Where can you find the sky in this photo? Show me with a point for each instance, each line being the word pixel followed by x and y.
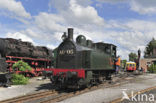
pixel 129 24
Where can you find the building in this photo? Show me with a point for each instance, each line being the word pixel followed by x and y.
pixel 146 62
pixel 149 55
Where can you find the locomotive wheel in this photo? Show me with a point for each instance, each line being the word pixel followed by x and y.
pixel 88 85
pixel 61 87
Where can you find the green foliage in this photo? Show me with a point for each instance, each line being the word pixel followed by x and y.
pixel 123 63
pixel 152 68
pixel 132 56
pixel 18 79
pixel 22 66
pixel 149 48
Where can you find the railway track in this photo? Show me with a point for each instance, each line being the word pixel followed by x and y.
pixel 30 97
pixel 105 85
pixel 52 96
pixel 68 95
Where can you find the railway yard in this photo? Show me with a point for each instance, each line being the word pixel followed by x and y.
pixel 77 51
pixel 41 91
pixel 80 71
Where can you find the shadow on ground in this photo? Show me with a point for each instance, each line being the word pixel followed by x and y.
pixel 46 86
pixel 49 86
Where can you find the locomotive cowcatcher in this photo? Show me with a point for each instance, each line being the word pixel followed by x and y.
pixel 81 63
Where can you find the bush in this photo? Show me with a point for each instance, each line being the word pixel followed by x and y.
pixel 152 68
pixel 18 79
pixel 22 66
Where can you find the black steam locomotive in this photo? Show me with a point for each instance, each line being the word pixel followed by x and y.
pixel 82 63
pixel 13 50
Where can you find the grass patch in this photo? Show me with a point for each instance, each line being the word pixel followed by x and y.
pixel 18 79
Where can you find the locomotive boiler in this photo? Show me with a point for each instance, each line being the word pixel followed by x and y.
pixel 82 63
pixel 14 47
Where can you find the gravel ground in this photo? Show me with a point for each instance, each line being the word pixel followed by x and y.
pixel 106 95
pixel 34 85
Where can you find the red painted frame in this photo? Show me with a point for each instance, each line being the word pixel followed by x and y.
pixel 80 72
pixel 36 71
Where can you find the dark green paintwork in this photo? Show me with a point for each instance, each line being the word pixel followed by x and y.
pixel 97 60
pixel 54 56
pixel 100 60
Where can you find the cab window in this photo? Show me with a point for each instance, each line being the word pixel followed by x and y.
pixel 130 65
pixel 127 65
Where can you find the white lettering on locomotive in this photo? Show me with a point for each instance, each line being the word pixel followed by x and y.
pixel 71 51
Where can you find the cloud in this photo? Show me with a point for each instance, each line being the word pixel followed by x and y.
pixel 87 15
pixel 51 26
pixel 47 28
pixel 139 6
pixel 77 12
pixel 15 8
pixel 129 35
pixel 143 6
pixel 51 46
pixel 31 33
pixel 49 22
pixel 135 34
pixel 141 25
pixel 112 1
pixel 123 53
pixel 18 35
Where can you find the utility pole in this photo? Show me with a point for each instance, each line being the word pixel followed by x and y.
pixel 139 55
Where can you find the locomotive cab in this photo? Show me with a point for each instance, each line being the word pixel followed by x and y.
pixel 109 49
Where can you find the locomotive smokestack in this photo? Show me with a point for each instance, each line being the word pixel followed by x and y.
pixel 70 33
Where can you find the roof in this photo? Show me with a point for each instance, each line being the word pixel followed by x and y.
pixel 130 62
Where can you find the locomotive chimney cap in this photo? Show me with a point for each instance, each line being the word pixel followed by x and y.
pixel 70 33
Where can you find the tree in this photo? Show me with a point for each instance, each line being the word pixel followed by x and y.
pixel 149 48
pixel 22 66
pixel 123 62
pixel 18 79
pixel 152 68
pixel 132 56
